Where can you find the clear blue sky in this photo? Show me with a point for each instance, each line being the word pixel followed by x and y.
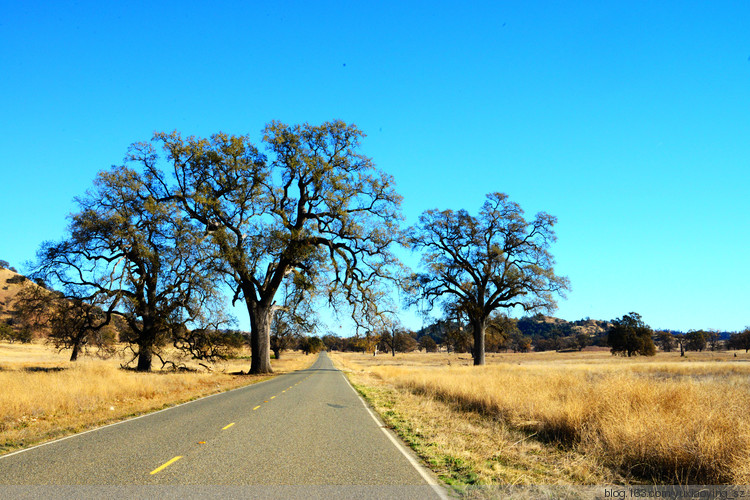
pixel 629 121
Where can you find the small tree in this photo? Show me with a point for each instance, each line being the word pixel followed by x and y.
pixel 428 344
pixel 333 342
pixel 713 337
pixel 629 336
pixel 311 345
pixel 582 341
pixel 67 322
pixel 496 260
pixel 10 334
pixel 740 340
pixel 666 341
pixel 395 337
pixel 406 341
pixel 696 340
pixel 681 340
pixel 541 344
pixel 518 342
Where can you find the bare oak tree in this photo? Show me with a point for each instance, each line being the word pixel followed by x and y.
pixel 127 253
pixel 496 260
pixel 67 322
pixel 312 205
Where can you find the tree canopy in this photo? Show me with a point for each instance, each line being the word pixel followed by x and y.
pixel 126 253
pixel 69 322
pixel 294 319
pixel 496 260
pixel 629 336
pixel 310 205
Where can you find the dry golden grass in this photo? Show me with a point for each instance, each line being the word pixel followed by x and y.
pixel 661 420
pixel 45 396
pixel 466 448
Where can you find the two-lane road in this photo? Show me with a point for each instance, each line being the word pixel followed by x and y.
pixel 301 435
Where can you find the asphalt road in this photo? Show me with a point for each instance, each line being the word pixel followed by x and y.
pixel 301 435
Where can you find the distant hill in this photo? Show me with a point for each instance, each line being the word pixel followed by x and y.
pixel 545 332
pixel 10 284
pixel 545 327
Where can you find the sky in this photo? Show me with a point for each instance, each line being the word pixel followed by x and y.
pixel 628 121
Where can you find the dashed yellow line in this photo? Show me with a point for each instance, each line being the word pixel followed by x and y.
pixel 162 467
pixel 170 462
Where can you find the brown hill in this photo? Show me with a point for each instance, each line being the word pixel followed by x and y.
pixel 591 327
pixel 10 284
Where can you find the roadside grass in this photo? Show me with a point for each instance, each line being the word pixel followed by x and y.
pixel 44 396
pixel 465 449
pixel 567 418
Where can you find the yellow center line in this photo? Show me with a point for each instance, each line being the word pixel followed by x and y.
pixel 227 426
pixel 161 468
pixel 273 397
pixel 256 407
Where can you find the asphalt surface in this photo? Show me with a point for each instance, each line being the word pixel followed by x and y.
pixel 305 434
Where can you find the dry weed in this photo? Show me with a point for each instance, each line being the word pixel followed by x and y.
pixel 659 420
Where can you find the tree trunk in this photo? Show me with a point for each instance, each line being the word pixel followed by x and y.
pixel 144 357
pixel 146 341
pixel 77 342
pixel 478 326
pixel 276 353
pixel 260 338
pixel 74 354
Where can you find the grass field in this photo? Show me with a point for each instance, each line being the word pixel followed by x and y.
pixel 573 418
pixel 44 396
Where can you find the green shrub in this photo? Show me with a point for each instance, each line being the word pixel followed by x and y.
pixel 10 334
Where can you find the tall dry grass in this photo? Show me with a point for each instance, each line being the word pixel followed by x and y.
pixel 44 396
pixel 662 422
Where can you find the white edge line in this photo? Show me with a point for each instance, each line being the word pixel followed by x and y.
pixel 401 447
pixel 24 450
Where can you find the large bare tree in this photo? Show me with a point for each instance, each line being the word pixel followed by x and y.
pixel 126 253
pixel 311 204
pixel 479 264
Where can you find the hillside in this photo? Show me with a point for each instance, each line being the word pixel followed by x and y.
pixel 541 326
pixel 10 284
pixel 544 333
